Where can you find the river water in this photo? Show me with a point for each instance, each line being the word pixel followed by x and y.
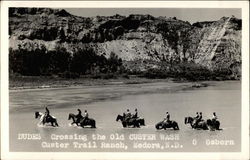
pixel 105 102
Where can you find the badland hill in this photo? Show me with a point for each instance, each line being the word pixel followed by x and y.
pixel 134 44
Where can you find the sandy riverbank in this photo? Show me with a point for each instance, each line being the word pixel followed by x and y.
pixel 19 83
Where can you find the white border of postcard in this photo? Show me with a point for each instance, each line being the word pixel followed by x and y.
pixel 244 154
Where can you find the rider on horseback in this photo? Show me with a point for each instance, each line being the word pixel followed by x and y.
pixel 127 115
pixel 86 116
pixel 167 119
pixel 214 118
pixel 136 114
pixel 46 115
pixel 198 118
pixel 79 116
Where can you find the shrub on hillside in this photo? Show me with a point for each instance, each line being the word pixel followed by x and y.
pixel 29 62
pixel 62 63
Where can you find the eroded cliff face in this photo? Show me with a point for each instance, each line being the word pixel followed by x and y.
pixel 215 45
pixel 220 45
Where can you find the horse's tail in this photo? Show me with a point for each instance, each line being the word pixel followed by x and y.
pixel 93 124
pixel 142 122
pixel 176 126
pixel 56 123
pixel 218 125
pixel 185 120
pixel 36 114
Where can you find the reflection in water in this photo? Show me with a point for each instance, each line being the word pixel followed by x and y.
pixel 222 98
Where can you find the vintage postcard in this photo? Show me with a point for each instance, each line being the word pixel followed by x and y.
pixel 124 80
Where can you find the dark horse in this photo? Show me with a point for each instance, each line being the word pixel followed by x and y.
pixel 135 122
pixel 50 119
pixel 81 121
pixel 164 125
pixel 205 125
pixel 200 125
pixel 213 124
pixel 75 119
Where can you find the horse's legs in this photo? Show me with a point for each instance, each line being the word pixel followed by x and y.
pixel 43 121
pixel 93 125
pixel 217 125
pixel 164 126
pixel 176 127
pixel 205 127
pixel 52 123
pixel 56 123
pixel 137 125
pixel 142 122
pixel 124 124
pixel 74 121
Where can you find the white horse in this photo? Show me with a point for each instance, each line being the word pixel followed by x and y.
pixel 49 119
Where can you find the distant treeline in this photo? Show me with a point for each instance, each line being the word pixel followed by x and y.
pixel 40 62
pixel 60 62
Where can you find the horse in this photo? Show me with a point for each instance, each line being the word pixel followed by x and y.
pixel 141 121
pixel 213 124
pixel 135 122
pixel 200 125
pixel 164 125
pixel 49 119
pixel 74 118
pixel 87 122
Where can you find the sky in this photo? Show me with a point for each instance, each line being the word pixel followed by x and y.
pixel 191 15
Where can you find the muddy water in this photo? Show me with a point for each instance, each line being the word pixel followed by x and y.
pixel 104 103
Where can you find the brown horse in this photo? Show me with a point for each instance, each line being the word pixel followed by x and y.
pixel 81 121
pixel 200 125
pixel 50 119
pixel 135 122
pixel 164 125
pixel 213 124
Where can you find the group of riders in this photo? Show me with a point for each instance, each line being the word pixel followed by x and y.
pixel 79 116
pixel 128 116
pixel 198 118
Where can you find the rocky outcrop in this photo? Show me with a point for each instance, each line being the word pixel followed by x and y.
pixel 215 45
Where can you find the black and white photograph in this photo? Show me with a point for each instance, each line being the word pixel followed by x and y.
pixel 123 80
